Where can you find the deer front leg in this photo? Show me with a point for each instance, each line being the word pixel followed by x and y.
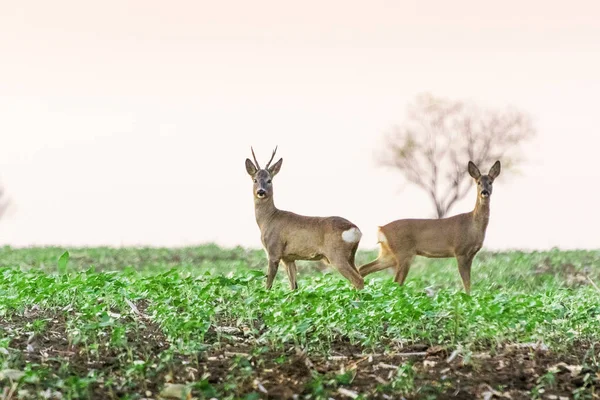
pixel 291 270
pixel 273 266
pixel 464 268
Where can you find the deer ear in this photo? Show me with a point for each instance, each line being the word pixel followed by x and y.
pixel 473 170
pixel 250 167
pixel 274 169
pixel 495 170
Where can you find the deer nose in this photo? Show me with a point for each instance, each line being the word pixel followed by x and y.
pixel 261 192
pixel 485 193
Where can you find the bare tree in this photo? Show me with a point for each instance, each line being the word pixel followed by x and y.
pixel 432 148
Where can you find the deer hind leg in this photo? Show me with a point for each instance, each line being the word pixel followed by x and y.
pixel 464 268
pixel 290 267
pixel 348 271
pixel 377 265
pixel 386 259
pixel 352 257
pixel 402 267
pixel 341 255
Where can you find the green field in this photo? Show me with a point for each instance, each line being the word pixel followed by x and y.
pixel 198 323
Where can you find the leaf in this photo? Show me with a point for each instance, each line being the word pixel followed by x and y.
pixel 176 391
pixel 575 370
pixel 62 262
pixel 348 393
pixel 12 374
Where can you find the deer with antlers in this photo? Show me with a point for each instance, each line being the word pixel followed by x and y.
pixel 289 237
pixel 460 236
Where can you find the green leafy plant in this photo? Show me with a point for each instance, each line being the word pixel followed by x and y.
pixel 201 317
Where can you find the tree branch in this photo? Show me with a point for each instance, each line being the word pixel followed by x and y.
pixel 440 136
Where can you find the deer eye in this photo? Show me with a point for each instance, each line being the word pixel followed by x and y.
pixel 269 181
pixel 255 181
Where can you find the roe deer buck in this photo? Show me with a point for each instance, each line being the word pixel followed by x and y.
pixel 460 236
pixel 289 237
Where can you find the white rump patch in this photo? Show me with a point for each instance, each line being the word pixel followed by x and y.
pixel 352 235
pixel 381 237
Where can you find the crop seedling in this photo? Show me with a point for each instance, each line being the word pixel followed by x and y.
pixel 201 317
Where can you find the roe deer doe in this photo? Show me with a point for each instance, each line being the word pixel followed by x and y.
pixel 460 236
pixel 289 237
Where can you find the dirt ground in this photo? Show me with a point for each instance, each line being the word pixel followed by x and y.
pixel 235 366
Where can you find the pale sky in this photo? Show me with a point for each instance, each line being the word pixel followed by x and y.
pixel 128 122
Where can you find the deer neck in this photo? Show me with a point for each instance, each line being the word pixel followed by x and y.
pixel 481 213
pixel 264 210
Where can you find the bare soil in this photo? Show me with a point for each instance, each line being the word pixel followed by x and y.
pixel 237 365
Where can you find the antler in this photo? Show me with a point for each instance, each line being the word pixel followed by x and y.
pixel 254 156
pixel 272 156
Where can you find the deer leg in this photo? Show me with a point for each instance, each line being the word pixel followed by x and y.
pixel 376 265
pixel 464 267
pixel 349 272
pixel 290 268
pixel 402 268
pixel 273 266
pixel 351 259
pixel 386 259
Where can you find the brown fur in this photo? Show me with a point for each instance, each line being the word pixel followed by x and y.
pixel 460 236
pixel 289 237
